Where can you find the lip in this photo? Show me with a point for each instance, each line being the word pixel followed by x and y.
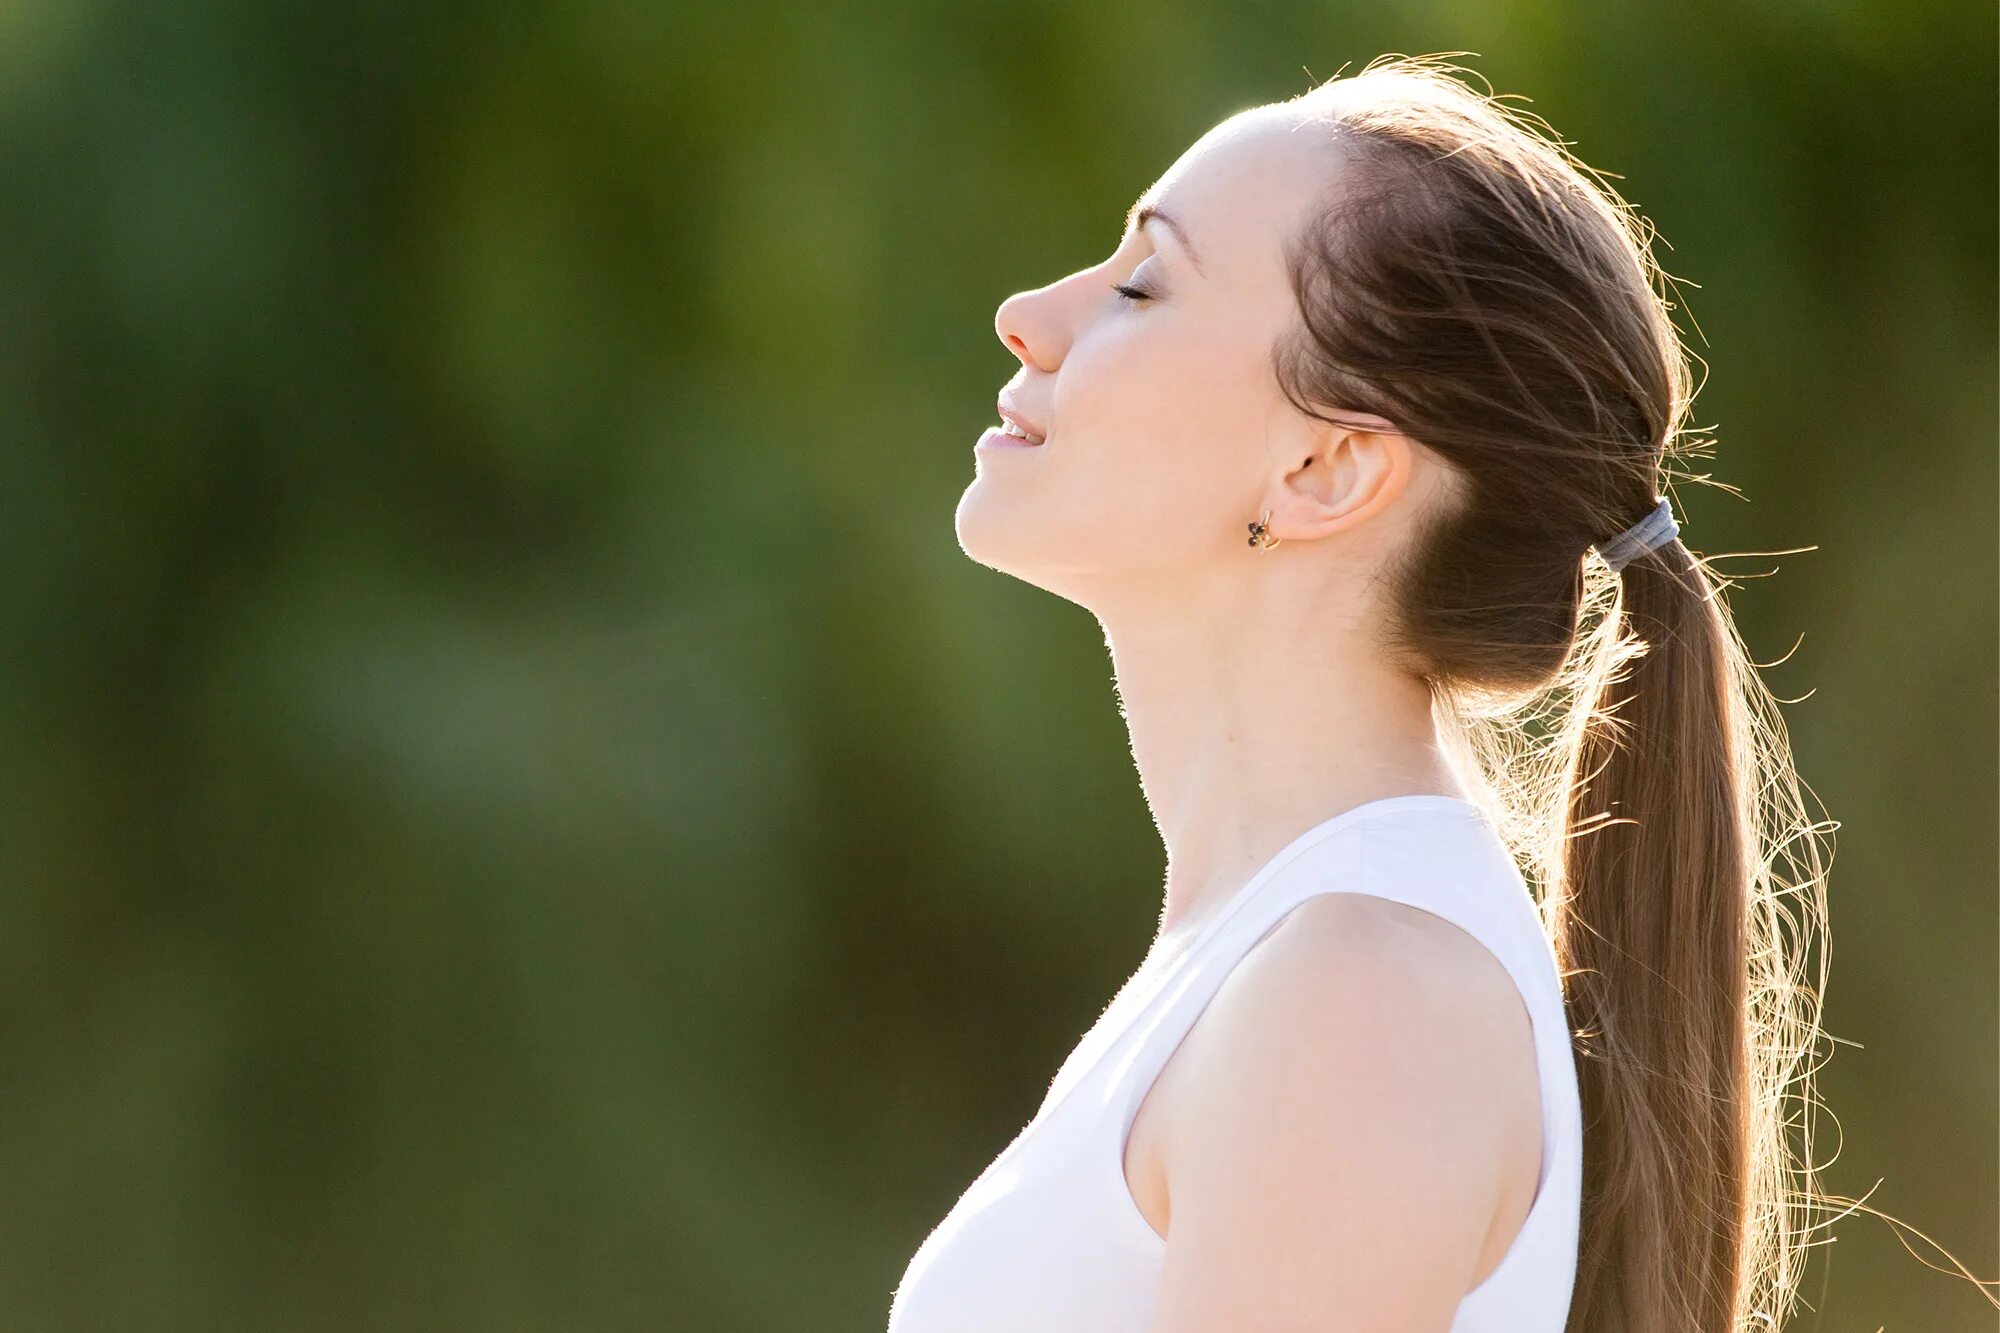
pixel 995 438
pixel 1009 412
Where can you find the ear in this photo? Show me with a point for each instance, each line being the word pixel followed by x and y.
pixel 1335 475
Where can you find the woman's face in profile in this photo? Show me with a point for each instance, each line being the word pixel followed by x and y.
pixel 1163 420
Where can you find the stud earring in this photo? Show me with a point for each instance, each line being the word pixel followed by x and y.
pixel 1260 532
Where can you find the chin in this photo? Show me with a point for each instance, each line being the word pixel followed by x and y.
pixel 991 530
pixel 995 530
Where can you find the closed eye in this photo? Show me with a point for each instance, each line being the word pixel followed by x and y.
pixel 1131 293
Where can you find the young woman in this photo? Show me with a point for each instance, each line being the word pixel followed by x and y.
pixel 1367 1079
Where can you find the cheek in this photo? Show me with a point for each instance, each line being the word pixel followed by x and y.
pixel 1160 427
pixel 1148 388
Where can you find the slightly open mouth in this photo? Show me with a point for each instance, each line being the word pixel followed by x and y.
pixel 1013 431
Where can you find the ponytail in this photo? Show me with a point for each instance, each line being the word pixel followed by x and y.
pixel 1680 965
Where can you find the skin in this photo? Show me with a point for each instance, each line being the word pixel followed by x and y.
pixel 1349 1136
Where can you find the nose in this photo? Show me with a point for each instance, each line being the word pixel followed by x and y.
pixel 1027 324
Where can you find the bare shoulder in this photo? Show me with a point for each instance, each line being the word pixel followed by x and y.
pixel 1371 972
pixel 1346 976
pixel 1352 1115
pixel 1332 936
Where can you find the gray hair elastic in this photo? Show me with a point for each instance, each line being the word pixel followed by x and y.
pixel 1650 533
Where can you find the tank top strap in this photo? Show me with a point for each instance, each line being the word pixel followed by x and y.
pixel 1442 857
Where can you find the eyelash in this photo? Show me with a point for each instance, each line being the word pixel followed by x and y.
pixel 1131 293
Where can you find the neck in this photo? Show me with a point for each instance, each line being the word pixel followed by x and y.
pixel 1250 727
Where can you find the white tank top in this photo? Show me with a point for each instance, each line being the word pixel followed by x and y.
pixel 1049 1239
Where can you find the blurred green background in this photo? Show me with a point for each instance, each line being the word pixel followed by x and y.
pixel 518 813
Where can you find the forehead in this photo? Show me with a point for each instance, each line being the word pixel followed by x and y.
pixel 1242 185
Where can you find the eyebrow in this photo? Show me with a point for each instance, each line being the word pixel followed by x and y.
pixel 1142 213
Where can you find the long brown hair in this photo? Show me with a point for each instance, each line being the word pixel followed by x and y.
pixel 1472 281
